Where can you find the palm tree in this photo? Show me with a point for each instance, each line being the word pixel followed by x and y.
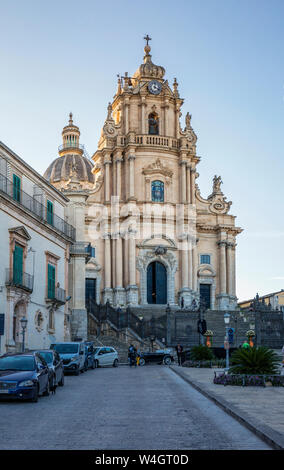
pixel 259 360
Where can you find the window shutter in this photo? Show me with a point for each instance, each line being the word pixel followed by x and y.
pixel 49 212
pixel 51 282
pixel 18 265
pixel 16 188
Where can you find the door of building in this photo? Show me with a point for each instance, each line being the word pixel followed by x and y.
pixel 90 291
pixel 156 283
pixel 205 294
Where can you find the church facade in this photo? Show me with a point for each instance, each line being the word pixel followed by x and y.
pixel 145 235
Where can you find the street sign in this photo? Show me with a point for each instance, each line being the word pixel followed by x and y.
pixel 2 323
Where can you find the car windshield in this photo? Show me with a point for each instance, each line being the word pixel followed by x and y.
pixel 46 355
pixel 66 348
pixel 96 350
pixel 17 363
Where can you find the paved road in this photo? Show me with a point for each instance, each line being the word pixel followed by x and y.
pixel 122 408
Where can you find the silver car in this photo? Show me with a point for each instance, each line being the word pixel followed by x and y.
pixel 105 356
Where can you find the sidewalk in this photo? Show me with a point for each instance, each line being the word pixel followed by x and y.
pixel 261 409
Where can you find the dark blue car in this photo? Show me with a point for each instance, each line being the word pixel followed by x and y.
pixel 23 376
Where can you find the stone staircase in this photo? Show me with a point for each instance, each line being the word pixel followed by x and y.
pixel 120 346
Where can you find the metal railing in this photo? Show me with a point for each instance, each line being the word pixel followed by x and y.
pixel 59 295
pixel 71 145
pixel 35 207
pixel 19 279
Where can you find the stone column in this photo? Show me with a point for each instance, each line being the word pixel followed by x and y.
pixel 107 292
pixel 107 163
pixel 132 289
pixel 185 292
pixel 166 107
pixel 183 181
pixel 119 297
pixel 126 115
pixel 188 183
pixel 192 185
pixel 118 175
pixel 131 159
pixel 231 289
pixel 143 119
pixel 223 297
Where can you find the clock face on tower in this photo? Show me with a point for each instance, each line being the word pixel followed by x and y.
pixel 155 87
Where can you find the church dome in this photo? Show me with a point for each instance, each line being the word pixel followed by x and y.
pixel 71 170
pixel 62 169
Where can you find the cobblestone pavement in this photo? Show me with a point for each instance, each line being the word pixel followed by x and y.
pixel 123 408
pixel 261 406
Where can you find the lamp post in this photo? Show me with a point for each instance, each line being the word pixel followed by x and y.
pixel 152 339
pixel 226 342
pixel 23 322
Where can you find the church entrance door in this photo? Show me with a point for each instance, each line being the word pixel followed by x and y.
pixel 156 283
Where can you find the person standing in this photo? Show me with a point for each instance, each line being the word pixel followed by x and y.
pixel 245 345
pixel 132 355
pixel 179 350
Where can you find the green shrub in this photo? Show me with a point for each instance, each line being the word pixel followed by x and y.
pixel 201 353
pixel 259 360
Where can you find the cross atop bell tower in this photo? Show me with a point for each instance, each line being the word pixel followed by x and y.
pixel 147 39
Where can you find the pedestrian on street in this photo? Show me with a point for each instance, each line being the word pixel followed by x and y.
pixel 245 345
pixel 182 302
pixel 132 355
pixel 138 355
pixel 179 350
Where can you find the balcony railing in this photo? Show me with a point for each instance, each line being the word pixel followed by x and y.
pixel 70 145
pixel 35 207
pixel 156 141
pixel 58 295
pixel 19 279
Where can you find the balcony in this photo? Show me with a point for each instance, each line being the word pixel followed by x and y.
pixel 70 146
pixel 156 141
pixel 19 280
pixel 57 296
pixel 35 207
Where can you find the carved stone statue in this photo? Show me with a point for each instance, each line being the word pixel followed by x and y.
pixel 217 181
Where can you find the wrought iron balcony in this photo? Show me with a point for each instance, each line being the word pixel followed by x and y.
pixel 58 295
pixel 70 145
pixel 19 279
pixel 35 207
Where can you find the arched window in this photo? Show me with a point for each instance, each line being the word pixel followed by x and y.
pixel 153 121
pixel 157 191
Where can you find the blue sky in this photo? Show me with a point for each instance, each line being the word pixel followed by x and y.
pixel 61 56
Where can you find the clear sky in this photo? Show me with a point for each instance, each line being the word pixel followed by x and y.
pixel 61 56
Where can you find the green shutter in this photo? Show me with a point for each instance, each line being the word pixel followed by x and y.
pixel 18 265
pixel 50 212
pixel 51 282
pixel 16 188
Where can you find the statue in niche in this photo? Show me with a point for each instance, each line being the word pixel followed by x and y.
pixel 153 121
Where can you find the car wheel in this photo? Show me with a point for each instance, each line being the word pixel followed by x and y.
pixel 115 363
pixel 61 382
pixel 35 397
pixel 167 361
pixel 142 361
pixel 46 393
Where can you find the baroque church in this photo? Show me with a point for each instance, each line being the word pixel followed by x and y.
pixel 144 233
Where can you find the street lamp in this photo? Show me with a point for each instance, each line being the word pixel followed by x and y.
pixel 23 322
pixel 152 339
pixel 226 342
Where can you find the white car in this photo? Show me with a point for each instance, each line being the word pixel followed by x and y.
pixel 105 356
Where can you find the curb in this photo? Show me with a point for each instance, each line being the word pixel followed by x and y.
pixel 267 434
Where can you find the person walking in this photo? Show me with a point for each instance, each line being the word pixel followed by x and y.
pixel 179 350
pixel 132 355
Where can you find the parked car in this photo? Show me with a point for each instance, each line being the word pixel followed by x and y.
pixel 105 356
pixel 162 356
pixel 23 376
pixel 55 365
pixel 72 354
pixel 89 352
